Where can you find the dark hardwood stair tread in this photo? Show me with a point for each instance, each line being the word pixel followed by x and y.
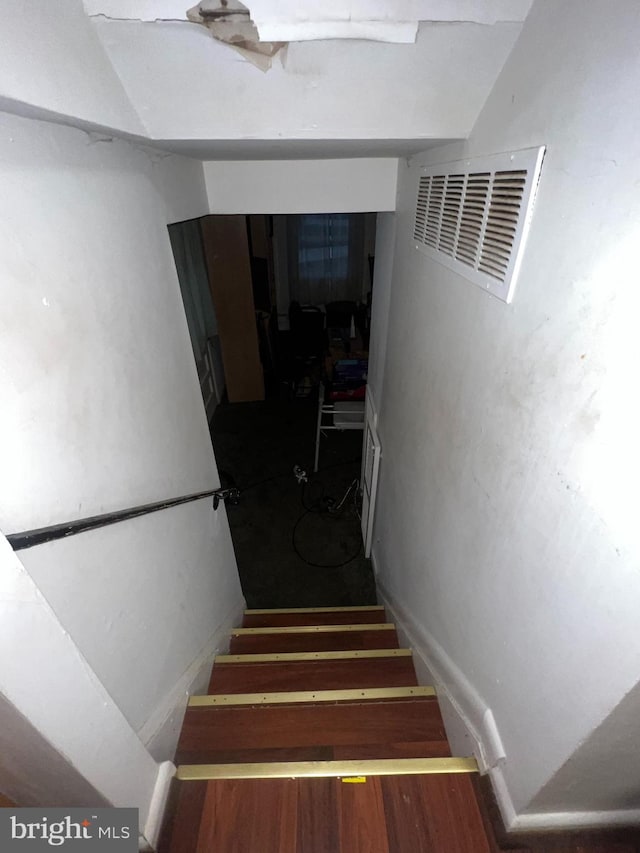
pixel 416 749
pixel 387 814
pixel 332 641
pixel 183 812
pixel 400 749
pixel 251 727
pixel 393 814
pixel 314 675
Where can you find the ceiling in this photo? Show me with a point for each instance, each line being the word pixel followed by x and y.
pixel 296 149
pixel 138 69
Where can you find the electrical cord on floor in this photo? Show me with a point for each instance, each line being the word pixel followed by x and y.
pixel 322 505
pixel 331 510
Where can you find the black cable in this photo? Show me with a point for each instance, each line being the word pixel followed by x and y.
pixel 321 506
pixel 310 562
pixel 330 513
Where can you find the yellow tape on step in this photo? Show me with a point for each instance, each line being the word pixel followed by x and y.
pixel 354 780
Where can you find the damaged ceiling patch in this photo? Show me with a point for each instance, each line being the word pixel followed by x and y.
pixel 229 21
pixel 259 31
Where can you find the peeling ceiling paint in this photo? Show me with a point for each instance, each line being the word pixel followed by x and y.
pixel 229 22
pixel 303 20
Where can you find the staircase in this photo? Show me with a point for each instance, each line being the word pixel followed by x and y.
pixel 315 737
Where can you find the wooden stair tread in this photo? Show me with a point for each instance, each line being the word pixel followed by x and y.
pixel 313 617
pixel 330 627
pixel 317 675
pixel 393 814
pixel 385 813
pixel 312 697
pixel 246 727
pixel 338 641
pixel 350 752
pixel 336 768
pixel 312 657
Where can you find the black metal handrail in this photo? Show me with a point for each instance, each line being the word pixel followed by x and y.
pixel 30 538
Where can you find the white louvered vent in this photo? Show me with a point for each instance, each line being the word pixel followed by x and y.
pixel 473 216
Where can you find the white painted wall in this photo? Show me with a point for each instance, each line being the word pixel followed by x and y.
pixel 102 411
pixel 102 408
pixel 51 59
pixel 381 300
pixel 163 585
pixel 301 186
pixel 611 755
pixel 185 85
pixel 49 695
pixel 506 529
pixel 32 772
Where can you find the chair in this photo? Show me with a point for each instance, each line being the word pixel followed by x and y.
pixel 308 341
pixel 340 415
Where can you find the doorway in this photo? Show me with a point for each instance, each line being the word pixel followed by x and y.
pixel 246 281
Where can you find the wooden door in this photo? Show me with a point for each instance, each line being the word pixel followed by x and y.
pixel 226 250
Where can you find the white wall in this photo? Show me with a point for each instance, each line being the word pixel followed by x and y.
pixel 163 585
pixel 58 713
pixel 102 411
pixel 506 528
pixel 381 300
pixel 102 408
pixel 51 59
pixel 186 85
pixel 301 186
pixel 609 755
pixel 32 771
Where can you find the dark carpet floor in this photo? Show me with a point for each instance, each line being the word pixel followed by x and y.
pixel 257 446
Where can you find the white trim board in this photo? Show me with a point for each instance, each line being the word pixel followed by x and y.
pixel 576 820
pixel 471 727
pixel 149 839
pixel 161 731
pixel 454 690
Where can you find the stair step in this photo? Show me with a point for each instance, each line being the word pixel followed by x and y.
pixel 310 696
pixel 360 608
pixel 360 638
pixel 412 749
pixel 289 657
pixel 338 769
pixel 312 629
pixel 317 674
pixel 207 730
pixel 435 813
pixel 318 616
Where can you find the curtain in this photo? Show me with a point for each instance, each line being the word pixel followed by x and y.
pixel 326 255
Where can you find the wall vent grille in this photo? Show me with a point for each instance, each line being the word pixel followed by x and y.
pixel 473 216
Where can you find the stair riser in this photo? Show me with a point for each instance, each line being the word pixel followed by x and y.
pixel 317 675
pixel 273 643
pixel 333 617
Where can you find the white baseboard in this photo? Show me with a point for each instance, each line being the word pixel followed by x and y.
pixel 577 820
pixel 161 731
pixel 459 700
pixel 151 835
pixel 472 729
